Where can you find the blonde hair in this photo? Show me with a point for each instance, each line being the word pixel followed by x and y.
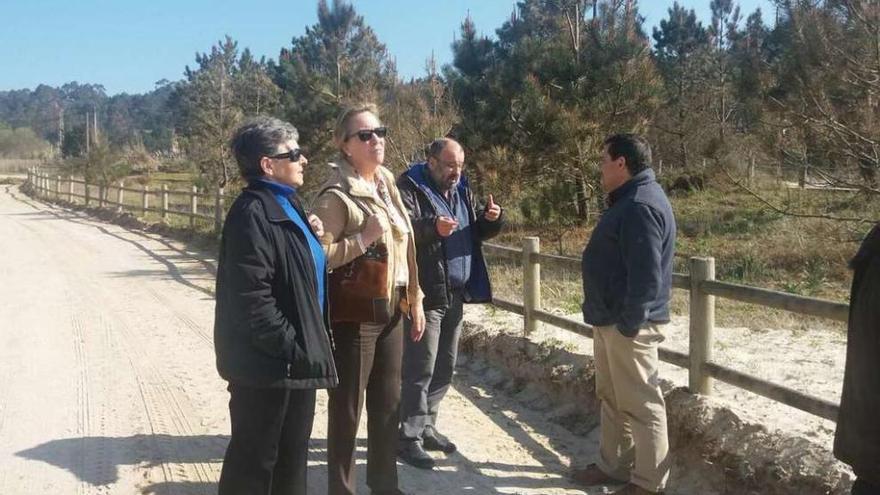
pixel 341 129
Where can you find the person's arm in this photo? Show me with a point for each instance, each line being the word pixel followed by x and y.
pixel 333 212
pixel 249 271
pixel 424 223
pixel 641 241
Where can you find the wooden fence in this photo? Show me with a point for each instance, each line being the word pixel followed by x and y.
pixel 700 283
pixel 157 200
pixel 703 290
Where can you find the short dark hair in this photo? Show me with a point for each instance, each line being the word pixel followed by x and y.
pixel 437 146
pixel 256 138
pixel 633 148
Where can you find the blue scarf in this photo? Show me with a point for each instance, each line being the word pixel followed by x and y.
pixel 282 194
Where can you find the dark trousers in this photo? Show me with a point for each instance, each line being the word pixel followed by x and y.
pixel 368 363
pixel 428 366
pixel 268 451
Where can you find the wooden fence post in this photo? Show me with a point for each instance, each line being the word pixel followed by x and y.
pixel 70 189
pixel 531 283
pixel 102 194
pixel 165 203
pixel 193 206
pixel 57 188
pixel 218 212
pixel 145 199
pixel 702 325
pixel 86 186
pixel 120 196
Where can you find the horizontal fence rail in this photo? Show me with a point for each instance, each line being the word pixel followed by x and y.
pixel 157 200
pixel 703 289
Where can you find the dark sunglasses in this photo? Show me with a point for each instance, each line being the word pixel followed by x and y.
pixel 367 134
pixel 293 155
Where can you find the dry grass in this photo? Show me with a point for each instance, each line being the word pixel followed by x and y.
pixel 751 244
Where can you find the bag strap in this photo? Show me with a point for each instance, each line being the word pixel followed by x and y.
pixel 342 194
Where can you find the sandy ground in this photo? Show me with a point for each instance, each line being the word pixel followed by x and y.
pixel 810 362
pixel 108 386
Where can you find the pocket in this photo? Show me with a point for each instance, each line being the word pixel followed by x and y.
pixel 299 365
pixel 650 335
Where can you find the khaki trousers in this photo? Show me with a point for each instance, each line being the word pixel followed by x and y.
pixel 633 444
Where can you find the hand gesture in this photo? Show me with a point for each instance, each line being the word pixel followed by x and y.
pixel 492 211
pixel 374 229
pixel 445 225
pixel 316 224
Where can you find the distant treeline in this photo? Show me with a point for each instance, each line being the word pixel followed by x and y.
pixel 795 87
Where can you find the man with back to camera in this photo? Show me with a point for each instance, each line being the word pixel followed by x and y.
pixel 449 228
pixel 857 439
pixel 627 279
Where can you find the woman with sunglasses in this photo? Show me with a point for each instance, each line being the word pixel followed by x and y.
pixel 359 206
pixel 270 331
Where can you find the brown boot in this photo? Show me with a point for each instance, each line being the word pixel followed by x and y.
pixel 591 476
pixel 631 489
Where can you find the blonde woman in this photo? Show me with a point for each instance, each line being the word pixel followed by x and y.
pixel 359 206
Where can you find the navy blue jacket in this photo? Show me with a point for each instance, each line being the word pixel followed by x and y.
pixel 270 329
pixel 627 265
pixel 431 249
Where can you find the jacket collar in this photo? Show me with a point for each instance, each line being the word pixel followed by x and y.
pixel 263 192
pixel 350 181
pixel 276 187
pixel 627 188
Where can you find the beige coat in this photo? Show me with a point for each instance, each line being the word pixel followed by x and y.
pixel 343 220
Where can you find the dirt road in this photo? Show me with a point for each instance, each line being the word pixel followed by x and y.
pixel 108 385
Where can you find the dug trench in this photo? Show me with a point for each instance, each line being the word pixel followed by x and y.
pixel 713 449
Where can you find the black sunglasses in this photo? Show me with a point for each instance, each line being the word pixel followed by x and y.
pixel 293 155
pixel 367 134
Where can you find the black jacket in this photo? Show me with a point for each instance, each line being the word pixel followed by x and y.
pixel 627 265
pixel 269 330
pixel 857 441
pixel 430 252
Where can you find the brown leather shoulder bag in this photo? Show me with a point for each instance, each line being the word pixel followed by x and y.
pixel 358 290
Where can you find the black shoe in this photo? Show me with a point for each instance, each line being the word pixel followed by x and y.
pixel 413 454
pixel 433 440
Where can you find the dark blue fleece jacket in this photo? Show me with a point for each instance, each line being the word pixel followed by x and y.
pixel 627 265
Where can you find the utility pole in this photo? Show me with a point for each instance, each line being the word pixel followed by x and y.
pixel 88 134
pixel 60 112
pixel 95 123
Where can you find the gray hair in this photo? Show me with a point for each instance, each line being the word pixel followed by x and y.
pixel 256 138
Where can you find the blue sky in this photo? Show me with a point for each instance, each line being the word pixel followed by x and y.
pixel 129 45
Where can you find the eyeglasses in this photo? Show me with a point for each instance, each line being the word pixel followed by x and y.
pixel 367 134
pixel 293 155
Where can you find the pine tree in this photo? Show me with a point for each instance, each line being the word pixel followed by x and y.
pixel 337 61
pixel 680 46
